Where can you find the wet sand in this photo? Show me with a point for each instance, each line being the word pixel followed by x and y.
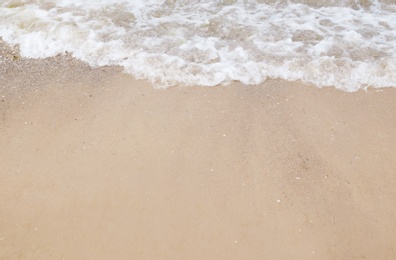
pixel 98 165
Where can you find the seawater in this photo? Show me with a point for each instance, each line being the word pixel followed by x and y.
pixel 348 44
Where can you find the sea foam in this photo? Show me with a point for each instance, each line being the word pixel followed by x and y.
pixel 346 44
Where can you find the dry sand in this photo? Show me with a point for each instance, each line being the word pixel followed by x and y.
pixel 97 165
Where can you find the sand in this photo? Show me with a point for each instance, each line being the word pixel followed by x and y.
pixel 95 164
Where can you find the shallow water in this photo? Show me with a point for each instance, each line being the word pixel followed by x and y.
pixel 346 44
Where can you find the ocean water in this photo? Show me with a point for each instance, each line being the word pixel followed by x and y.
pixel 347 44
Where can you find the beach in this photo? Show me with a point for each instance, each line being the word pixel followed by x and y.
pixel 98 165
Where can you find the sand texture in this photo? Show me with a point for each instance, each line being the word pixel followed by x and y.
pixel 97 165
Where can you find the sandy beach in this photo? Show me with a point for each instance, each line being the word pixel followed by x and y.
pixel 98 165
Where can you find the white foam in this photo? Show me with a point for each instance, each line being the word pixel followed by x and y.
pixel 193 42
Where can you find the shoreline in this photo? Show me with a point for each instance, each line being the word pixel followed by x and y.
pixel 98 165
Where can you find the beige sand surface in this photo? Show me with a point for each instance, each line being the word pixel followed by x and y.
pixel 97 165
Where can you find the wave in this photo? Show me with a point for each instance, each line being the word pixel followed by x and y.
pixel 348 44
